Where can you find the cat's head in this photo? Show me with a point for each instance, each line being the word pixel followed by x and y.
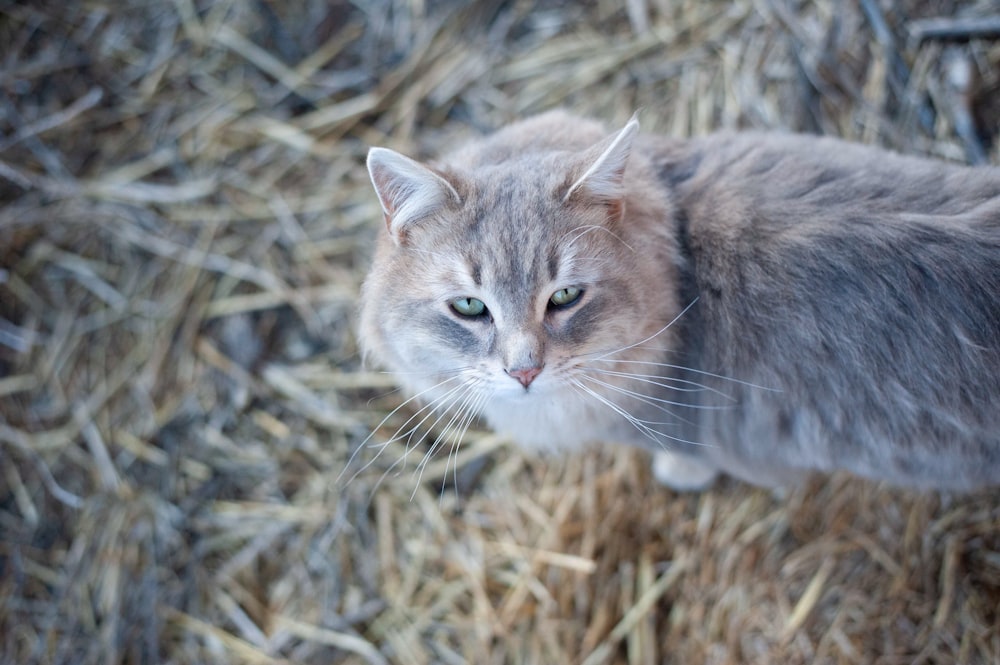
pixel 514 279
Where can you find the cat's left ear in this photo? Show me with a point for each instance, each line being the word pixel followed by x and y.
pixel 408 191
pixel 604 176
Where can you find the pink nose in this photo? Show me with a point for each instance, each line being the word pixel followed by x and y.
pixel 525 375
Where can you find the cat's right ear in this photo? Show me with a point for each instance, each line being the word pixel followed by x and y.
pixel 407 190
pixel 606 162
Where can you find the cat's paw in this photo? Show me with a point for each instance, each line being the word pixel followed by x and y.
pixel 682 473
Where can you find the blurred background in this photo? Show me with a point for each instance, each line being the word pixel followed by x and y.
pixel 185 219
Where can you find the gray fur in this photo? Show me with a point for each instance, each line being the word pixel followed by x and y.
pixel 844 301
pixel 863 285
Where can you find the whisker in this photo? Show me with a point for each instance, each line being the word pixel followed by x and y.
pixel 443 404
pixel 433 408
pixel 664 382
pixel 659 400
pixel 569 265
pixel 695 371
pixel 594 227
pixel 643 341
pixel 434 372
pixel 462 401
pixel 659 349
pixel 444 401
pixel 642 425
pixel 645 399
pixel 382 422
pixel 382 395
pixel 470 394
pixel 470 416
pixel 643 429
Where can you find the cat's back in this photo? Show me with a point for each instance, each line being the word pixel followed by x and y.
pixel 805 206
pixel 825 175
pixel 860 284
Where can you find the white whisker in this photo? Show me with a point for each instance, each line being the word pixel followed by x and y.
pixel 468 395
pixel 649 399
pixel 643 426
pixel 664 382
pixel 645 399
pixel 693 370
pixel 584 230
pixel 435 372
pixel 442 404
pixel 638 424
pixel 471 413
pixel 361 445
pixel 445 401
pixel 653 336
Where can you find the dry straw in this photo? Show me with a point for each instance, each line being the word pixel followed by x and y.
pixel 185 221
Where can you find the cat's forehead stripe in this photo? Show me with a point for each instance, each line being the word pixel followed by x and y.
pixel 514 239
pixel 529 260
pixel 553 263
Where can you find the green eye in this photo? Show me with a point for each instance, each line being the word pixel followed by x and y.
pixel 566 296
pixel 469 307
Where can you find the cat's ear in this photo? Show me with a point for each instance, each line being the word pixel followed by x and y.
pixel 407 190
pixel 604 174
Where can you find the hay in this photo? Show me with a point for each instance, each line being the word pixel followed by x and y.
pixel 184 227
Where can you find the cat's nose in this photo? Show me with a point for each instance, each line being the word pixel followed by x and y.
pixel 525 374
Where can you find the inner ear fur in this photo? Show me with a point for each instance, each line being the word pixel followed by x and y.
pixel 408 191
pixel 601 178
pixel 604 165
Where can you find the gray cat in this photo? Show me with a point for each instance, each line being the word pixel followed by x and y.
pixel 757 304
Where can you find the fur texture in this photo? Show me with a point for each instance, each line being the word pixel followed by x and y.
pixel 757 304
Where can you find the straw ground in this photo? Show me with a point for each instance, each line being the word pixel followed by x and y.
pixel 185 222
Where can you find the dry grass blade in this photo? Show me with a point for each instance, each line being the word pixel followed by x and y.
pixel 185 220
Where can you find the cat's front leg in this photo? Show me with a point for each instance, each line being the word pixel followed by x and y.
pixel 683 473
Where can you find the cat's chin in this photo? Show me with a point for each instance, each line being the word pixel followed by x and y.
pixel 547 419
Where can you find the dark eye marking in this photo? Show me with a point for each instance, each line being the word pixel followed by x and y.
pixel 453 334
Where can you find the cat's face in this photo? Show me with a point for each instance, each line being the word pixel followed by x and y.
pixel 511 290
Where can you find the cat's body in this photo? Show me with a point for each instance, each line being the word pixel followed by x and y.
pixel 761 305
